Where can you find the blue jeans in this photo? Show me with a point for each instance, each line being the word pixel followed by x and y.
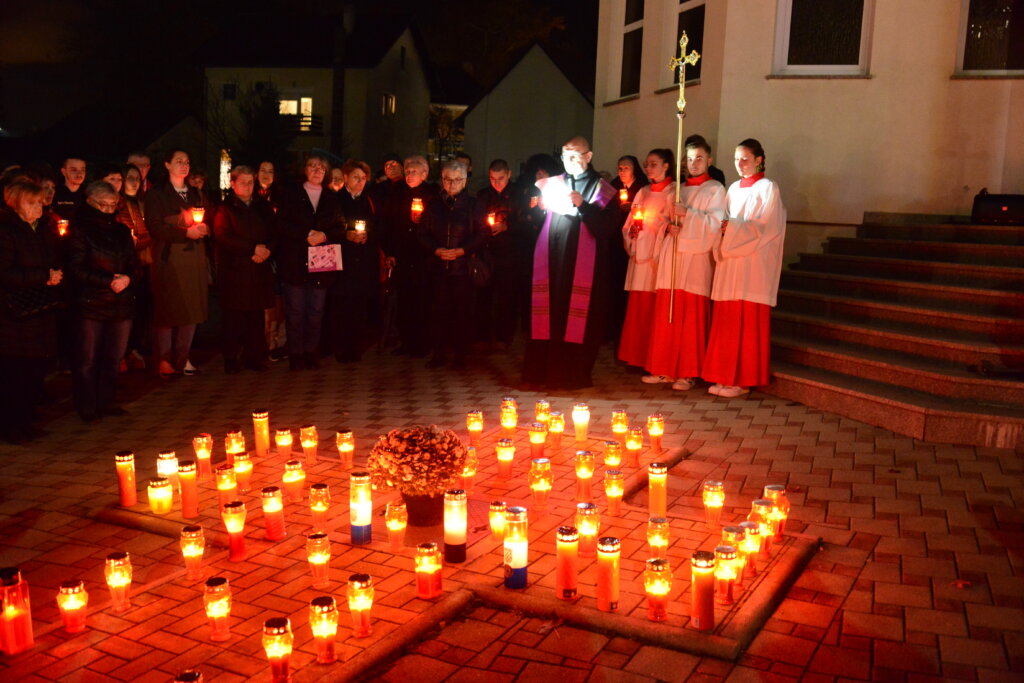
pixel 101 346
pixel 304 314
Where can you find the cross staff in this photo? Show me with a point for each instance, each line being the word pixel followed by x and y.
pixel 680 63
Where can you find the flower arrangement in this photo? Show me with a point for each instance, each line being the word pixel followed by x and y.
pixel 418 460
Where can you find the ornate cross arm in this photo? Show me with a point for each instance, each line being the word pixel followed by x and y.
pixel 680 63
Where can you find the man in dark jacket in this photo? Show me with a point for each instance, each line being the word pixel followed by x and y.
pixel 102 267
pixel 450 232
pixel 69 196
pixel 497 308
pixel 242 232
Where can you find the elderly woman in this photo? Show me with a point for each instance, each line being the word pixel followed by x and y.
pixel 102 267
pixel 28 325
pixel 749 262
pixel 180 273
pixel 242 231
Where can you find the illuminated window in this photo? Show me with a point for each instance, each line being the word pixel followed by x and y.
pixel 289 107
pixel 387 105
pixel 993 37
pixel 306 112
pixel 632 47
pixel 823 37
pixel 225 169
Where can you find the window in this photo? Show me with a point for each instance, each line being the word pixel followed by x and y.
pixel 229 91
pixel 387 105
pixel 691 20
pixel 632 47
pixel 823 37
pixel 305 114
pixel 289 107
pixel 993 33
pixel 225 170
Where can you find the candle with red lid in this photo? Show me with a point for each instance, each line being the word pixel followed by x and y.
pixel 261 428
pixel 124 461
pixel 505 452
pixel 277 643
pixel 608 574
pixel 233 516
pixel 323 621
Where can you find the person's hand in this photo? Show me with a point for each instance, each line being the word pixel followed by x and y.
pixel 119 283
pixel 499 228
pixel 443 254
pixel 194 233
pixel 389 262
pixel 576 198
pixel 261 252
pixel 416 216
pixel 316 237
pixel 458 252
pixel 679 210
pixel 55 277
pixel 673 229
pixel 356 236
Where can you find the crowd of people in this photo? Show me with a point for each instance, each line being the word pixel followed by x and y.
pixel 115 273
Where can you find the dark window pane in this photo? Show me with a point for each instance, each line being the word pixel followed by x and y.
pixel 825 32
pixel 632 45
pixel 634 11
pixel 229 91
pixel 691 21
pixel 995 35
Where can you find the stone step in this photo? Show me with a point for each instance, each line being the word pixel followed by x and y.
pixel 916 414
pixel 943 232
pixel 968 275
pixel 858 309
pixel 938 344
pixel 921 250
pixel 905 370
pixel 928 294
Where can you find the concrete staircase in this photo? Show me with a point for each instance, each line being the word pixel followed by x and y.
pixel 914 326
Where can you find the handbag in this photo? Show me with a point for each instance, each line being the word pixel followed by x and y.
pixel 28 302
pixel 479 270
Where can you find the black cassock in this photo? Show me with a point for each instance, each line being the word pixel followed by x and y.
pixel 555 363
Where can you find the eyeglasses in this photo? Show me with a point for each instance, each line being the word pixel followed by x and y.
pixel 452 181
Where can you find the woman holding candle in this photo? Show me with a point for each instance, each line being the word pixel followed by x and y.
pixel 131 212
pixel 685 269
pixel 628 181
pixel 641 234
pixel 748 264
pixel 180 272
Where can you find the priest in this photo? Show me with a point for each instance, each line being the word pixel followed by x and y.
pixel 569 292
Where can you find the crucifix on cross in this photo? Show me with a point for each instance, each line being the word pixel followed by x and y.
pixel 680 63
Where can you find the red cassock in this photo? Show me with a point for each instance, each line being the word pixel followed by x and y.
pixel 738 347
pixel 677 349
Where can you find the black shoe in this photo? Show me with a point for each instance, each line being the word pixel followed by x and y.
pixel 278 354
pixel 296 363
pixel 436 362
pixel 116 411
pixel 312 362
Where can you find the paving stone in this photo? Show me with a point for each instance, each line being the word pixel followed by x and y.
pixel 657 662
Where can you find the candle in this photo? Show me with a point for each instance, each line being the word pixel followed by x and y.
pixel 293 480
pixel 508 417
pixel 167 467
pixel 233 516
pixel 283 440
pixel 588 522
pixel 702 590
pixel 428 571
pixel 189 489
pixel 776 493
pixel 556 427
pixel 360 601
pixel 396 517
pixel 243 471
pixel 505 451
pixel 623 196
pixel 62 226
pixel 360 508
pixel 318 553
pixel 309 440
pixel 319 504
pixel 566 562
pixel 761 513
pixel 198 213
pixel 323 621
pixel 492 218
pixel 475 426
pixel 613 489
pixel 658 536
pixel 277 643
pixel 193 544
pixel 217 602
pixel 542 411
pixel 620 425
pixel 613 454
pixel 261 427
pixel 541 479
pixel 655 430
pixel 72 600
pixel 16 621
pixel 273 513
pixel 608 574
pixel 416 209
pixel 234 443
pixel 496 518
pixel 638 219
pixel 124 461
pixel 346 443
pixel 160 499
pixel 725 573
pixel 714 499
pixel 657 584
pixel 359 226
pixel 750 547
pixel 734 536
pixel 581 420
pixel 634 442
pixel 469 468
pixel 227 485
pixel 203 446
pixel 585 465
pixel 118 573
pixel 657 489
pixel 516 548
pixel 538 436
pixel 455 522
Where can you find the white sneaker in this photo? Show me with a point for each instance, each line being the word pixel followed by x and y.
pixel 732 392
pixel 684 384
pixel 190 369
pixel 714 389
pixel 657 379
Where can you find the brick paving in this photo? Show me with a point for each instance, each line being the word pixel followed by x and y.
pixel 919 576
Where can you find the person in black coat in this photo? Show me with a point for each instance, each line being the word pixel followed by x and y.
pixel 450 232
pixel 308 216
pixel 357 285
pixel 28 341
pixel 628 181
pixel 243 235
pixel 102 270
pixel 497 307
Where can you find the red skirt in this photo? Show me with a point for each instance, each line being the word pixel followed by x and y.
pixel 739 344
pixel 677 348
pixel 636 330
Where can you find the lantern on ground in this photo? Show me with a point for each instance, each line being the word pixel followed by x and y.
pixel 261 428
pixel 217 603
pixel 323 621
pixel 360 602
pixel 657 585
pixel 585 464
pixel 702 590
pixel 505 451
pixel 273 513
pixel 496 519
pixel 293 480
pixel 714 498
pixel 396 518
pixel 243 471
pixel 124 461
pixel 319 504
pixel 360 497
pixel 516 548
pixel 538 437
pixel 72 601
pixel 655 430
pixel 614 487
pixel 310 440
pixel 277 643
pixel 657 489
pixel 233 516
pixel 118 573
pixel 613 454
pixel 346 443
pixel 608 574
pixel 160 498
pixel 227 485
pixel 283 440
pixel 455 525
pixel 566 562
pixel 475 426
pixel 193 544
pixel 725 573
pixel 203 446
pixel 588 522
pixel 318 554
pixel 469 468
pixel 428 571
pixel 620 425
pixel 658 536
pixel 776 493
pixel 581 421
pixel 189 489
pixel 634 443
pixel 541 480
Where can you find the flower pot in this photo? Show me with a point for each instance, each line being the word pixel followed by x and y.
pixel 424 510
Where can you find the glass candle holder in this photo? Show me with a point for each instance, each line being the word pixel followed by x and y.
pixel 203 446
pixel 319 505
pixel 750 548
pixel 475 426
pixel 567 548
pixel 634 443
pixel 541 480
pixel 655 430
pixel 702 590
pixel 277 643
pixel 620 425
pixel 542 411
pixel 588 522
pixel 160 498
pixel 469 468
pixel 197 213
pixel 416 209
pixel 261 429
pixel 193 545
pixel 556 427
pixel 581 421
pixel 217 603
pixel 657 489
pixel 657 585
pixel 233 516
pixel 613 454
pixel 323 621
pixel 585 465
pixel 360 602
pixel 346 443
pixel 273 513
pixel 283 441
pixel 318 554
pixel 733 536
pixel 310 441
pixel 360 506
pixel 234 443
pixel 455 525
pixel 16 618
pixel 189 489
pixel 167 467
pixel 505 451
pixel 496 518
pixel 714 499
pixel 508 417
pixel 428 571
pixel 118 573
pixel 243 471
pixel 658 536
pixel 538 437
pixel 124 461
pixel 227 484
pixel 516 547
pixel 776 493
pixel 293 481
pixel 725 573
pixel 614 487
pixel 396 518
pixel 73 601
pixel 608 574
pixel 761 513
